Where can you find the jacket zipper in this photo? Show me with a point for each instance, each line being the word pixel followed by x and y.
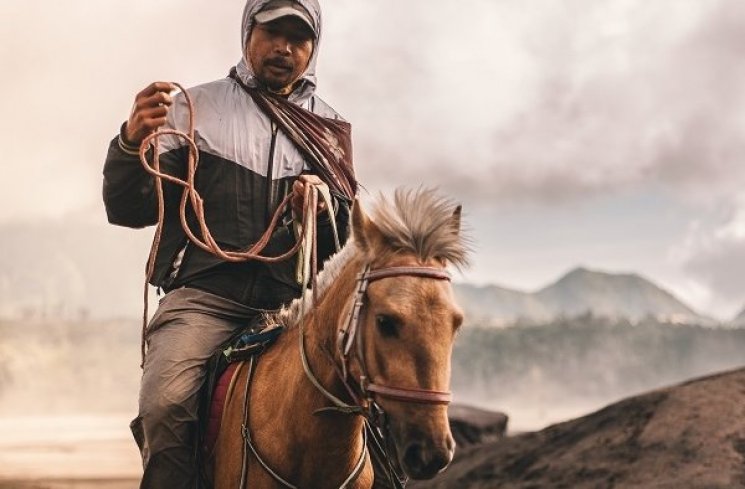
pixel 269 175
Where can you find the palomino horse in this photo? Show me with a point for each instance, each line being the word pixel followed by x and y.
pixel 389 354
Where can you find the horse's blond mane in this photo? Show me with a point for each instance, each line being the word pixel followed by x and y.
pixel 289 315
pixel 416 221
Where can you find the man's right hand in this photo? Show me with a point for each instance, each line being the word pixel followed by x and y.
pixel 148 112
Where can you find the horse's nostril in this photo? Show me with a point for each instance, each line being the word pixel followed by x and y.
pixel 421 463
pixel 413 456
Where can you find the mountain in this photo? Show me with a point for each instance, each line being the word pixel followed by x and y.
pixel 580 291
pixel 613 295
pixel 495 305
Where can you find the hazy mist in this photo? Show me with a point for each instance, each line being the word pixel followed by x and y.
pixel 602 133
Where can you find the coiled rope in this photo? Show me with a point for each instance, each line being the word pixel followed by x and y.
pixel 190 195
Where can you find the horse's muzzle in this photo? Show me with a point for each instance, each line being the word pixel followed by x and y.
pixel 423 456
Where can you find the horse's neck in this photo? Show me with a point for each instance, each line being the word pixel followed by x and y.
pixel 284 370
pixel 325 440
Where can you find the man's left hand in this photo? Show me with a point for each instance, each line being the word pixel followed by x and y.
pixel 298 192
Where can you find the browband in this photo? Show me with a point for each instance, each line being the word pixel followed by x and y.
pixel 428 272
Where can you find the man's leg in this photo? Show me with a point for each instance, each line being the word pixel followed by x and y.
pixel 180 341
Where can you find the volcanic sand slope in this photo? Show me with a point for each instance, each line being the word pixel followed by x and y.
pixel 687 436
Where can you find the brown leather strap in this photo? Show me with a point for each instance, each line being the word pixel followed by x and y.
pixel 428 272
pixel 411 395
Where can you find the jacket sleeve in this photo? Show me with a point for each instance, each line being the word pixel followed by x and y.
pixel 129 193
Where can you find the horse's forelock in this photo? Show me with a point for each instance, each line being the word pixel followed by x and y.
pixel 424 223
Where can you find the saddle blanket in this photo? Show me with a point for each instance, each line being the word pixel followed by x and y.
pixel 217 406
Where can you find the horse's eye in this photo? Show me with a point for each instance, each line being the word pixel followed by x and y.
pixel 387 325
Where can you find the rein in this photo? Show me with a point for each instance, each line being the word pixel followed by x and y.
pixel 246 433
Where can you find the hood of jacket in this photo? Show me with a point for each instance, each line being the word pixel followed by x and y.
pixel 307 85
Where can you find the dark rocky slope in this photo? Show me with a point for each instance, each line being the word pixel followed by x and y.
pixel 687 436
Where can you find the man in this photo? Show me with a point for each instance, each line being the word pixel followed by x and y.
pixel 248 161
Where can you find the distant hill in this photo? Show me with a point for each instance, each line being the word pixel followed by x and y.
pixel 492 304
pixel 580 291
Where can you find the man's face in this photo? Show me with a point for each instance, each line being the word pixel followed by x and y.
pixel 279 52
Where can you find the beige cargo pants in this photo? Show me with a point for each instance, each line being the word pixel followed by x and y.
pixel 182 335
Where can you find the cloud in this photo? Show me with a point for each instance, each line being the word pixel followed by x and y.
pixel 525 102
pixel 586 99
pixel 497 103
pixel 715 256
pixel 71 71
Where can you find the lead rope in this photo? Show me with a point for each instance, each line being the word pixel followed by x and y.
pixel 303 270
pixel 309 254
pixel 191 195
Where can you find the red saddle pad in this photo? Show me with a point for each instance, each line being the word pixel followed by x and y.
pixel 218 406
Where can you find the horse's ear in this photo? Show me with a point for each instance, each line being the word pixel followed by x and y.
pixel 366 234
pixel 455 220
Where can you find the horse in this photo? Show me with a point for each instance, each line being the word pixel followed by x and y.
pixel 375 347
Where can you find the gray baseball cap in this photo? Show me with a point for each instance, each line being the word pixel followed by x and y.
pixel 276 9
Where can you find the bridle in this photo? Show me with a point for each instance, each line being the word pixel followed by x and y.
pixel 351 334
pixel 376 422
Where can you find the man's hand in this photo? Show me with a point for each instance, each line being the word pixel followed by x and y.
pixel 148 112
pixel 298 191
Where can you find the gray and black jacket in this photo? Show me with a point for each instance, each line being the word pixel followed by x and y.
pixel 246 167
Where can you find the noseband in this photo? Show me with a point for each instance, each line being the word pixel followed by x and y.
pixel 351 332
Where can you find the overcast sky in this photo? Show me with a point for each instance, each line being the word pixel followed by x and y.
pixel 603 133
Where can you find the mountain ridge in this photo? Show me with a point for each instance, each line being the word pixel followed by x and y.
pixel 579 291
